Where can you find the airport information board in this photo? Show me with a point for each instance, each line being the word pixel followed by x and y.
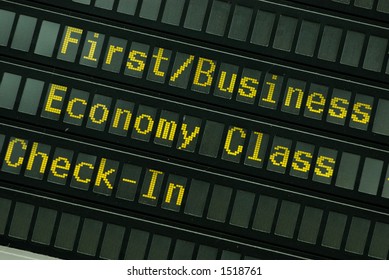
pixel 195 129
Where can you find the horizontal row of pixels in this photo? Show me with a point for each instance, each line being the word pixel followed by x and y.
pixel 251 146
pixel 95 238
pixel 265 26
pixel 237 85
pixel 193 197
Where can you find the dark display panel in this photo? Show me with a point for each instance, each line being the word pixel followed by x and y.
pixel 187 132
pixel 376 10
pixel 51 225
pixel 251 86
pixel 136 142
pixel 172 191
pixel 262 27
